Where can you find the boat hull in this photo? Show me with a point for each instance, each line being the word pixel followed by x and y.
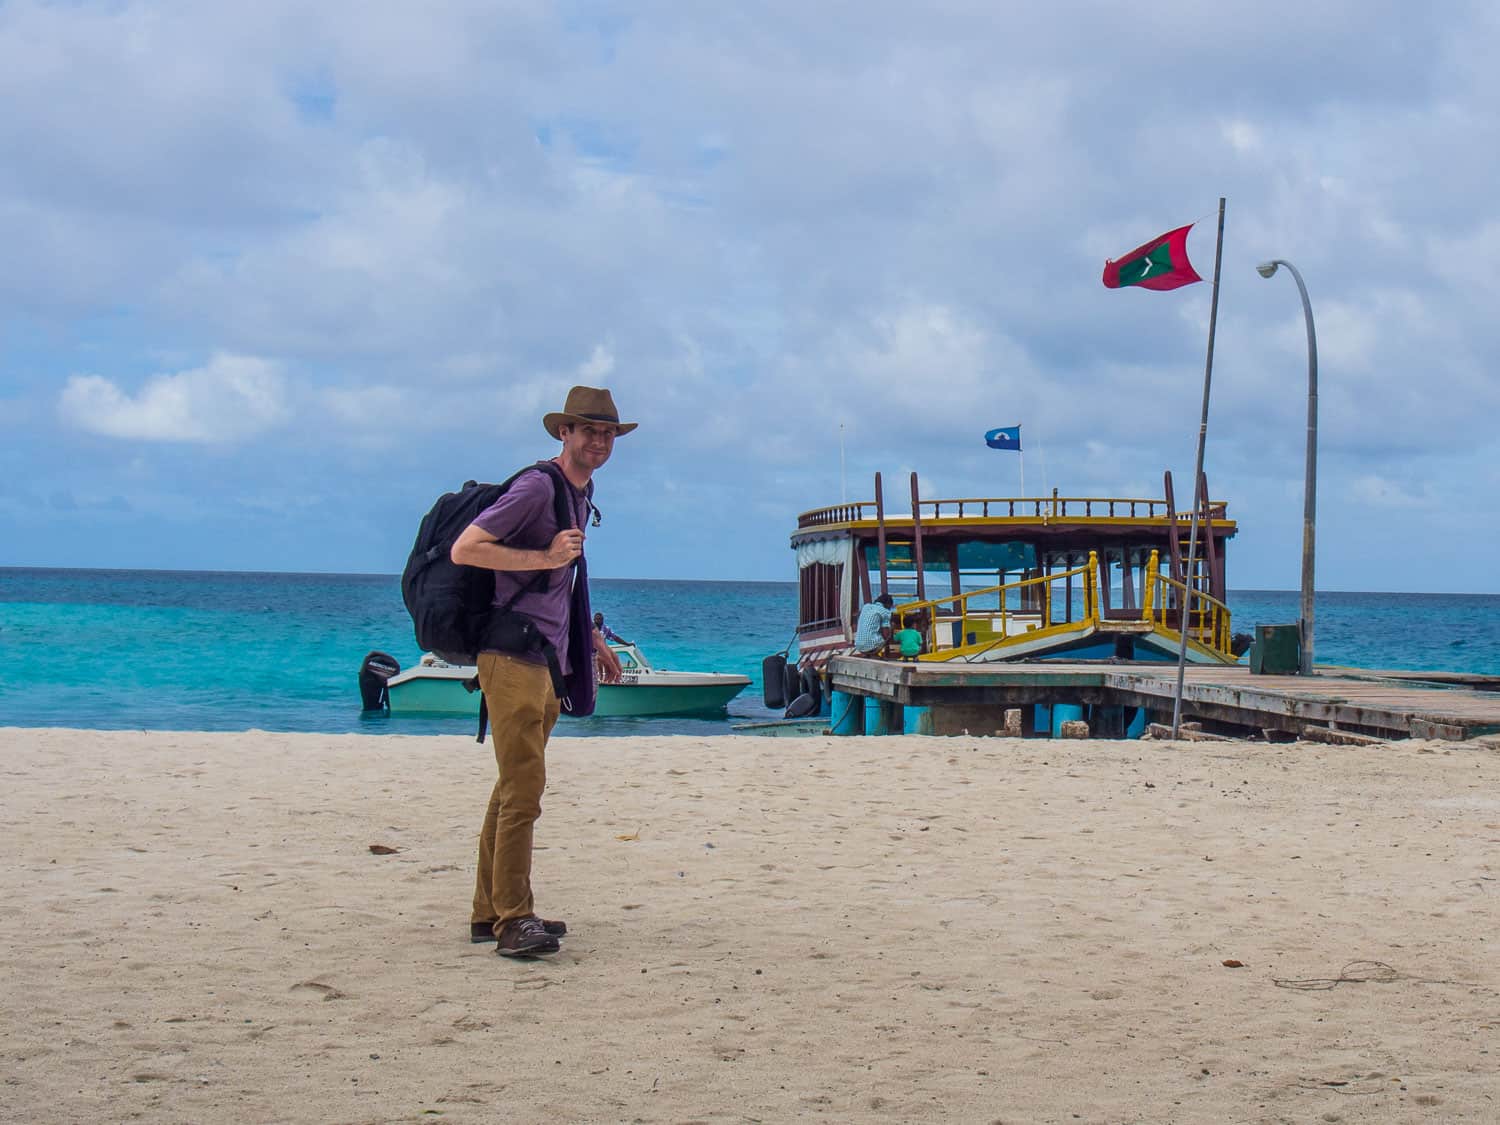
pixel 432 695
pixel 441 692
pixel 696 698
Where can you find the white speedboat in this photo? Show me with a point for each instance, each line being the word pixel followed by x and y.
pixel 437 687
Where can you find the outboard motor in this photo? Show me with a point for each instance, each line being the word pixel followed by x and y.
pixel 373 674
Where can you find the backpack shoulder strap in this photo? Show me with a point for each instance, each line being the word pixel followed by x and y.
pixel 561 508
pixel 562 511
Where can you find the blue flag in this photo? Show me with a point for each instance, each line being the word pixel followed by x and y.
pixel 1006 437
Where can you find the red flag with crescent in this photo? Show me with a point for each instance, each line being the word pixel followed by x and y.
pixel 1159 264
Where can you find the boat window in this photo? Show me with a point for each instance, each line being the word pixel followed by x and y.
pixel 978 556
pixel 901 556
pixel 818 594
pixel 981 565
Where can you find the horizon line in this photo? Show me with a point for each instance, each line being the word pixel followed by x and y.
pixel 622 578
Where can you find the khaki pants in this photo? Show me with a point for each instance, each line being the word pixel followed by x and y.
pixel 523 711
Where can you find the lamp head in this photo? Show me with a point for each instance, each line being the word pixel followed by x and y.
pixel 1266 269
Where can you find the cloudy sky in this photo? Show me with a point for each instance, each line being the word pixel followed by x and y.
pixel 274 275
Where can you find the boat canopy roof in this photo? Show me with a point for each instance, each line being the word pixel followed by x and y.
pixel 1063 521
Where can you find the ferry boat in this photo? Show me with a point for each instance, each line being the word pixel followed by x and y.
pixel 1030 578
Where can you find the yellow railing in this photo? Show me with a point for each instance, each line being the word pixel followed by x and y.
pixel 1206 618
pixel 995 623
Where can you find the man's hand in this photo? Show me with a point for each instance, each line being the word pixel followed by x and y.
pixel 609 663
pixel 566 546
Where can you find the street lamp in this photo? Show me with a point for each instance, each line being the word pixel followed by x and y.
pixel 1310 473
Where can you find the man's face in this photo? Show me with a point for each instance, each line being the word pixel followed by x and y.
pixel 588 443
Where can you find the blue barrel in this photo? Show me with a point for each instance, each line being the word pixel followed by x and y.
pixel 875 716
pixel 917 720
pixel 1063 713
pixel 846 713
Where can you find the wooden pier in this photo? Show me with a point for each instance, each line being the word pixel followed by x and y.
pixel 1336 704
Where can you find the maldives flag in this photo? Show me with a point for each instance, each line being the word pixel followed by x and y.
pixel 1161 263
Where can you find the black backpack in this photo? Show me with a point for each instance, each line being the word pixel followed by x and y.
pixel 450 605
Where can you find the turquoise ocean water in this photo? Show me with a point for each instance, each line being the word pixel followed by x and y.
pixel 117 649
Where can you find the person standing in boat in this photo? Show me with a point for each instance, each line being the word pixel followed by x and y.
pixel 518 537
pixel 607 633
pixel 872 635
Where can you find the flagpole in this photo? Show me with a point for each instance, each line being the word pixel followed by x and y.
pixel 1042 453
pixel 843 479
pixel 1022 454
pixel 1185 605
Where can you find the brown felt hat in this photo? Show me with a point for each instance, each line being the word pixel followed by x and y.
pixel 587 404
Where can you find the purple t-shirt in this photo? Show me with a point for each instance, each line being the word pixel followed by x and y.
pixel 524 518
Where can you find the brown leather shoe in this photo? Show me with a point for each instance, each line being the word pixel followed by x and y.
pixel 481 932
pixel 525 937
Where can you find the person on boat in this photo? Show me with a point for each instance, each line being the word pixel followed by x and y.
pixel 607 633
pixel 872 634
pixel 518 537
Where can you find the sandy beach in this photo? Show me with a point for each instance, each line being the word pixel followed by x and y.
pixel 901 929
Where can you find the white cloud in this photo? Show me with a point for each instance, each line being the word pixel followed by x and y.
pixel 921 356
pixel 1242 135
pixel 370 408
pixel 1381 492
pixel 601 362
pixel 231 398
pixel 756 226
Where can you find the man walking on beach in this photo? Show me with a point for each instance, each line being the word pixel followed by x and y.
pixel 520 539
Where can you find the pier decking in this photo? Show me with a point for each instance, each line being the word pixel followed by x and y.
pixel 1388 705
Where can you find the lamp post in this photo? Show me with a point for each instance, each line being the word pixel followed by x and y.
pixel 1310 473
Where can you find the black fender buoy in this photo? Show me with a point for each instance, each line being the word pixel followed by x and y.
pixel 378 667
pixel 812 684
pixel 773 681
pixel 802 706
pixel 791 682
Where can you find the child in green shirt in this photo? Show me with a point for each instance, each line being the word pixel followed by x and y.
pixel 909 641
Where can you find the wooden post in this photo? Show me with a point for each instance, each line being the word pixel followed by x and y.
pixel 1208 378
pixel 1174 547
pixel 916 538
pixel 880 533
pixel 1210 551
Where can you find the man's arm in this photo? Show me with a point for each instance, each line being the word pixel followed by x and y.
pixel 609 663
pixel 477 547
